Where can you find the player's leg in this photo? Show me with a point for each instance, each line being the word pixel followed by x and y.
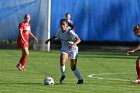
pixel 19 66
pixel 73 58
pixel 138 71
pixel 138 68
pixel 76 71
pixel 63 59
pixel 25 54
pixel 22 62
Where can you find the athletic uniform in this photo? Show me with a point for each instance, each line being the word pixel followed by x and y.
pixel 67 38
pixel 26 28
pixel 70 24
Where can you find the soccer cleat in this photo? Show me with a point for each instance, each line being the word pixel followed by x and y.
pixel 136 81
pixel 19 67
pixel 80 81
pixel 62 79
pixel 23 68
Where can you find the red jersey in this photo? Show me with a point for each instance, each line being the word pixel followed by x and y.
pixel 26 28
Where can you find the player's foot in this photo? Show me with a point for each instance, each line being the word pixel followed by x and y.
pixel 62 79
pixel 136 81
pixel 80 81
pixel 23 68
pixel 19 67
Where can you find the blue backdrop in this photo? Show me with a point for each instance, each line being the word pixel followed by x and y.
pixel 12 13
pixel 95 20
pixel 99 20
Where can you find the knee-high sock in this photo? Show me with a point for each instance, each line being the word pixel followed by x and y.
pixel 62 69
pixel 77 74
pixel 138 71
pixel 23 60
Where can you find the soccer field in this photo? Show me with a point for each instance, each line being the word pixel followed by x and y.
pixel 103 72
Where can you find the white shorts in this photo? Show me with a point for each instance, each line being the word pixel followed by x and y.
pixel 72 53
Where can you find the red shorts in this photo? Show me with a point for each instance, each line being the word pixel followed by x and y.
pixel 21 44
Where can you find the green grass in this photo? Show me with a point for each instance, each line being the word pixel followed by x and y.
pixel 113 73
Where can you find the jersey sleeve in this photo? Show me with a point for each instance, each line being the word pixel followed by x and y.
pixel 21 26
pixel 73 34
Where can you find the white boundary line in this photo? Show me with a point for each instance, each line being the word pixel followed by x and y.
pixel 100 76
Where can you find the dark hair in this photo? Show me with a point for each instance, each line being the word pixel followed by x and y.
pixel 137 27
pixel 63 20
pixel 67 14
pixel 25 16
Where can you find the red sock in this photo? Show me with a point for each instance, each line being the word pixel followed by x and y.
pixel 23 60
pixel 20 62
pixel 138 71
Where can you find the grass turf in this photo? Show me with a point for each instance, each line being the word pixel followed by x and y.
pixel 103 72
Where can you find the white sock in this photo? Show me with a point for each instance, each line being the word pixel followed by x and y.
pixel 77 74
pixel 62 69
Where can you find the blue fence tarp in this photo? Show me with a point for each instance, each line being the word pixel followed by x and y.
pixel 95 20
pixel 99 20
pixel 12 13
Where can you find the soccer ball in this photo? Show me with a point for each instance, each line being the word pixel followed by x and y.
pixel 49 81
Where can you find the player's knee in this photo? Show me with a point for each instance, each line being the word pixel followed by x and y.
pixel 27 54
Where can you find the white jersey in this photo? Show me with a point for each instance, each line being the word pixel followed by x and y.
pixel 67 38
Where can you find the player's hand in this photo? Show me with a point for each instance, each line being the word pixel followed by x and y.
pixel 25 42
pixel 46 42
pixel 130 52
pixel 36 39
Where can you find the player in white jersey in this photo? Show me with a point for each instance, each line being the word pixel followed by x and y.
pixel 69 40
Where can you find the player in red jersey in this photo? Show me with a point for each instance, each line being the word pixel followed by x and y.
pixel 137 33
pixel 22 41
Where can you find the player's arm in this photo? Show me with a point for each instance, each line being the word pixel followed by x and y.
pixel 137 33
pixel 20 31
pixel 32 36
pixel 51 39
pixel 21 26
pixel 133 50
pixel 78 40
